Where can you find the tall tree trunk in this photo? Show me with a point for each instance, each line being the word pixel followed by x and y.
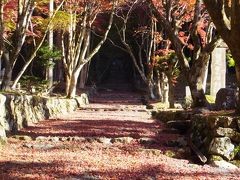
pixel 158 88
pixel 237 68
pixel 1 32
pixel 151 88
pixel 171 93
pixel 67 86
pixel 7 77
pixel 72 86
pixel 49 71
pixel 196 81
pixel 83 76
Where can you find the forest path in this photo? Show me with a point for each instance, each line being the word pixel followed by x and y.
pixel 112 138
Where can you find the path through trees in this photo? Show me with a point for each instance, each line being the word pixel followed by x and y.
pixel 113 138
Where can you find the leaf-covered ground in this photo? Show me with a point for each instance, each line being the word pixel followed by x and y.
pixel 63 155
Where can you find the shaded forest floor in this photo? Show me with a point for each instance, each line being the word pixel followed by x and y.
pixel 112 138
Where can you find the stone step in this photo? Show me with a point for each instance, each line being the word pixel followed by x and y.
pixel 181 125
pixel 104 140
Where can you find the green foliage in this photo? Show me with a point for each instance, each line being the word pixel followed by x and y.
pixel 168 63
pixel 10 26
pixel 61 20
pixel 170 56
pixel 237 150
pixel 3 142
pixel 230 60
pixel 170 153
pixel 210 99
pixel 188 101
pixel 27 82
pixel 45 53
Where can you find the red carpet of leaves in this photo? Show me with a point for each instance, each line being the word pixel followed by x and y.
pixel 110 115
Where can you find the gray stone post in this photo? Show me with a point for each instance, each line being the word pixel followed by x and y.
pixel 218 70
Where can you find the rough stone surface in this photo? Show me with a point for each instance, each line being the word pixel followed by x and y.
pixel 226 98
pixel 18 111
pixel 104 140
pixel 82 100
pixel 146 140
pixel 218 70
pixel 81 139
pixel 41 138
pixel 43 146
pixel 124 140
pixel 213 131
pixel 22 137
pixel 2 135
pixel 179 142
pixel 238 123
pixel 222 146
pixel 228 132
pixel 54 139
pixel 224 165
pixel 181 125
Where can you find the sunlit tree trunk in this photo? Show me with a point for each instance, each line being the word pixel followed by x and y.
pixel 49 71
pixel 1 32
pixel 83 76
pixel 34 53
pixel 146 43
pixel 73 83
pixel 195 73
pixel 25 9
pixel 76 42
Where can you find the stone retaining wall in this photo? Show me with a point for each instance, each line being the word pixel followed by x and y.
pixel 216 135
pixel 18 111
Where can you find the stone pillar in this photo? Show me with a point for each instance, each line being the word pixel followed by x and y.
pixel 188 92
pixel 218 70
pixel 165 89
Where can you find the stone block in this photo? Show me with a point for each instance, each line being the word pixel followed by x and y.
pixel 226 99
pixel 2 133
pixel 124 140
pixel 82 100
pixel 224 165
pixel 222 146
pixel 228 132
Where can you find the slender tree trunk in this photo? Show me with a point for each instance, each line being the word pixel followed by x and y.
pixel 49 74
pixel 83 76
pixel 151 88
pixel 7 77
pixel 1 32
pixel 196 81
pixel 171 93
pixel 72 87
pixel 205 77
pixel 237 69
pixel 158 89
pixel 67 86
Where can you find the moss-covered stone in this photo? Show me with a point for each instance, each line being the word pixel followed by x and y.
pixel 223 147
pixel 236 163
pixel 170 153
pixel 3 142
pixel 22 137
pixel 227 132
pixel 215 158
pixel 18 111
